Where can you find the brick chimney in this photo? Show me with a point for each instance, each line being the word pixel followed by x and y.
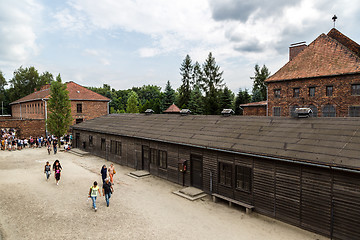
pixel 295 49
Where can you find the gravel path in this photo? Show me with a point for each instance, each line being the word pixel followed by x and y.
pixel 32 208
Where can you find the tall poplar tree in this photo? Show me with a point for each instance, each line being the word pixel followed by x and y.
pixel 186 78
pixel 132 103
pixel 259 85
pixel 59 107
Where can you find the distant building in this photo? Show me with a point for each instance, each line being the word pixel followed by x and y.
pixel 324 76
pixel 254 108
pixel 172 109
pixel 85 104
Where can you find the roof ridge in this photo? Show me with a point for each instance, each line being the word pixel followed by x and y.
pixel 345 41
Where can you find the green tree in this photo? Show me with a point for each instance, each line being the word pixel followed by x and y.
pixel 242 97
pixel 59 106
pixel 169 95
pixel 226 99
pixel 196 78
pixel 4 101
pixel 132 103
pixel 46 78
pixel 186 71
pixel 257 96
pixel 211 83
pixel 24 82
pixel 259 81
pixel 196 104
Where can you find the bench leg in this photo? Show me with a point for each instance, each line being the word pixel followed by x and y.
pixel 214 199
pixel 248 210
pixel 230 204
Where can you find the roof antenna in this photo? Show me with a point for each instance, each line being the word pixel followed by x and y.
pixel 334 19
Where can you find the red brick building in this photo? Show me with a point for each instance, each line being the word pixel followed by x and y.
pixel 254 108
pixel 324 76
pixel 85 104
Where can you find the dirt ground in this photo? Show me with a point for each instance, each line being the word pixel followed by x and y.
pixel 32 208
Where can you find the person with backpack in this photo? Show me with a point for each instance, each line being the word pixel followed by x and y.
pixel 111 173
pixel 94 190
pixel 107 191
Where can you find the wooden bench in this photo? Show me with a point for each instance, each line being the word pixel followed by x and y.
pixel 248 207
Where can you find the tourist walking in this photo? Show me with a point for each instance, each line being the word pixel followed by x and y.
pixel 57 169
pixel 111 173
pixel 107 190
pixel 94 190
pixel 103 173
pixel 47 170
pixel 48 147
pixel 55 145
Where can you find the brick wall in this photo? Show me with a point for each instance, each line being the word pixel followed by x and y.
pixel 29 110
pixel 254 111
pixel 89 110
pixel 25 128
pixel 341 98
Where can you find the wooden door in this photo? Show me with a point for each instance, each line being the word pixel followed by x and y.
pixel 196 171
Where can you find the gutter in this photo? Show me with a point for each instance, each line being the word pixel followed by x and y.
pixel 233 152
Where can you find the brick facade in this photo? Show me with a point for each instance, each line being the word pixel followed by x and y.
pixel 341 98
pixel 89 110
pixel 254 111
pixel 25 128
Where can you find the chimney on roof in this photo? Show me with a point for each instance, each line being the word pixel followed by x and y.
pixel 149 111
pixel 295 49
pixel 184 112
pixel 227 112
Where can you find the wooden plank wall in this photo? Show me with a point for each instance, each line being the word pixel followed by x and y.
pixel 242 196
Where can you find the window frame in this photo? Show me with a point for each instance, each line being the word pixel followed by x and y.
pixel 328 112
pixel 162 159
pixel 154 156
pixel 79 108
pixel 274 112
pixel 243 175
pixel 328 92
pixel 277 93
pixel 355 89
pixel 103 144
pixel 225 174
pixel 312 91
pixel 296 92
pixel 354 111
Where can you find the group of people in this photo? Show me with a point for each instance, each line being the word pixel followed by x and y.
pixel 107 176
pixel 56 168
pixel 9 141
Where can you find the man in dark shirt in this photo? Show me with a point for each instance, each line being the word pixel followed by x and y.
pixel 103 173
pixel 55 145
pixel 107 190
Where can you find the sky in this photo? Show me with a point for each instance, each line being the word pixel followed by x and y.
pixel 139 42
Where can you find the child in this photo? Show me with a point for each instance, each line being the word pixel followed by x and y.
pixel 47 170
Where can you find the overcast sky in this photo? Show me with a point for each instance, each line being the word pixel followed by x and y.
pixel 128 43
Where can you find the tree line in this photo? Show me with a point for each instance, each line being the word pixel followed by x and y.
pixel 202 90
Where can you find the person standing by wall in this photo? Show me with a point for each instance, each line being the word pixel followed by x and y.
pixel 94 190
pixel 107 191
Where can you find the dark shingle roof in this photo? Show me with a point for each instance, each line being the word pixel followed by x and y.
pixel 76 92
pixel 330 141
pixel 327 55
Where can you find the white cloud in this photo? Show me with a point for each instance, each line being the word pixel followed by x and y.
pixel 17 30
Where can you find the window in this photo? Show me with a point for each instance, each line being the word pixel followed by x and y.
pixel 243 178
pixel 154 156
pixel 355 89
pixel 162 159
pixel 277 93
pixel 328 111
pixel 276 111
pixel 79 120
pixel 103 144
pixel 115 147
pixel 354 111
pixel 90 141
pixel 296 92
pixel 225 174
pixel 311 91
pixel 79 108
pixel 329 91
